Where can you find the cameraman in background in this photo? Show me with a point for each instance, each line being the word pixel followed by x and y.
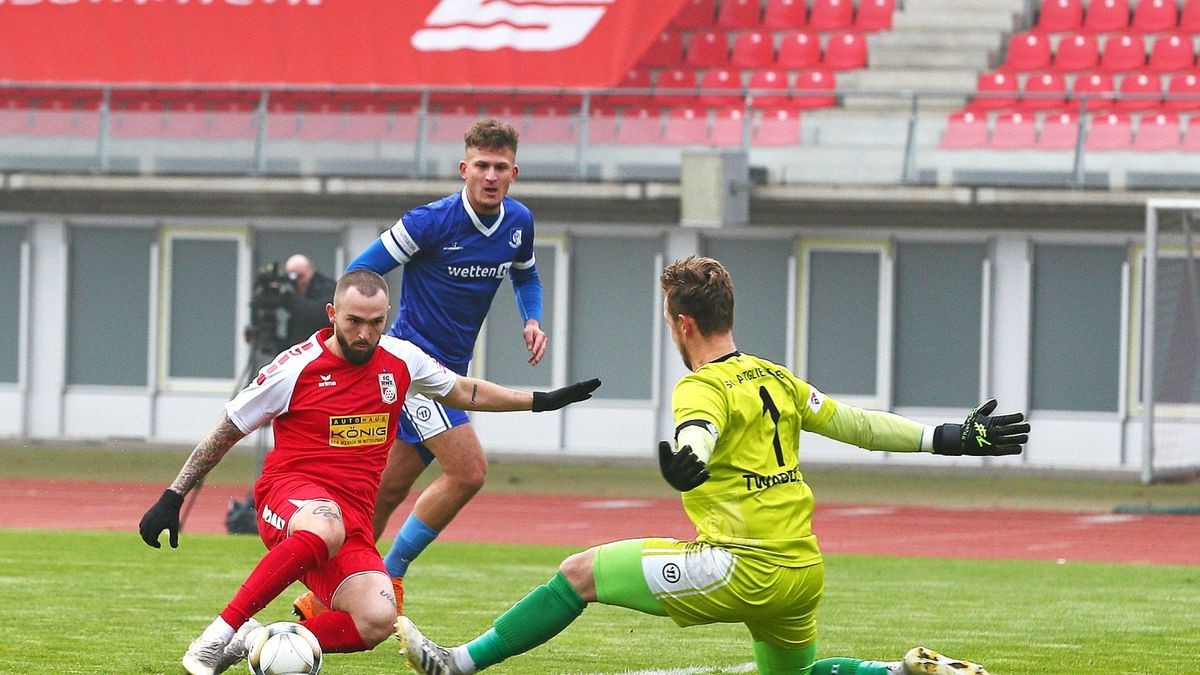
pixel 305 300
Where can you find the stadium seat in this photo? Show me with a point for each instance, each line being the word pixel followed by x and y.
pixel 825 15
pixel 1183 92
pixel 785 14
pixel 675 88
pixel 322 124
pixel 1123 51
pixel 799 49
pixel 1191 136
pixel 768 81
pixel 1112 131
pixel 1189 17
pixel 753 49
pixel 965 129
pixel 1060 131
pixel 446 124
pixel 550 124
pixel 602 125
pixel 1097 89
pixel 779 127
pixel 707 49
pixel 995 90
pixel 1060 16
pixel 809 87
pixel 1106 16
pixel 686 126
pixel 728 127
pixel 695 14
pixel 874 15
pixel 1076 52
pixel 640 126
pixel 720 88
pixel 1139 91
pixel 1047 91
pixel 846 50
pixel 739 14
pixel 1171 52
pixel 1028 52
pixel 1157 132
pixel 633 90
pixel 665 51
pixel 1154 16
pixel 1014 130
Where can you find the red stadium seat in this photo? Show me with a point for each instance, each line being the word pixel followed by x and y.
pixel 1139 91
pixel 640 126
pixel 965 129
pixel 1047 91
pixel 550 124
pixel 995 90
pixel 1076 51
pixel 1157 132
pixel 1014 130
pixel 1060 16
pixel 720 88
pixel 728 127
pixel 874 15
pixel 1123 51
pixel 1113 131
pixel 831 14
pixel 753 49
pixel 1097 88
pixel 1183 92
pixel 686 126
pixel 1189 17
pixel 1028 52
pixel 1060 131
pixel 633 90
pixel 846 50
pixel 447 124
pixel 779 127
pixel 707 49
pixel 675 88
pixel 1155 16
pixel 1191 136
pixel 1171 52
pixel 739 14
pixel 695 14
pixel 768 81
pixel 666 50
pixel 1106 16
pixel 799 49
pixel 602 125
pixel 785 14
pixel 809 88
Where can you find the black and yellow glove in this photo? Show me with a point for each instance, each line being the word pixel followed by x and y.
pixel 983 435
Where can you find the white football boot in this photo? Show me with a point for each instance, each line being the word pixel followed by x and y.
pixel 922 661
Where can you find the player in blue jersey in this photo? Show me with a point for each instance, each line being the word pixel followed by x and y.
pixel 455 252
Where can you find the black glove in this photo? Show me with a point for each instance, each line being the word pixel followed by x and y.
pixel 683 470
pixel 164 515
pixel 572 393
pixel 982 435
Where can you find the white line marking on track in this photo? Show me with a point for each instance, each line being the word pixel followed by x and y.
pixel 698 670
pixel 617 504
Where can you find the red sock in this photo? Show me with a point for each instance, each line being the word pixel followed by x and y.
pixel 276 571
pixel 336 632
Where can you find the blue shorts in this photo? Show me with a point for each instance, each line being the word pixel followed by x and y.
pixel 423 418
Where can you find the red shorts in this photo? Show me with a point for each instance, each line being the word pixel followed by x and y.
pixel 278 499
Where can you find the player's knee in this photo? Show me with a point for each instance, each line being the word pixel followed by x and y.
pixel 376 623
pixel 577 568
pixel 390 497
pixel 325 521
pixel 469 475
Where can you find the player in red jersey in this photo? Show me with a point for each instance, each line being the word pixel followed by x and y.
pixel 334 402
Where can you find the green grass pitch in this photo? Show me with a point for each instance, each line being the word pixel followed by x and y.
pixel 96 602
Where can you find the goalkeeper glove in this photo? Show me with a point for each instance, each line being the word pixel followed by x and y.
pixel 572 393
pixel 683 470
pixel 164 515
pixel 981 434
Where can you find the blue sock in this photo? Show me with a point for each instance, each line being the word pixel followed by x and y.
pixel 414 536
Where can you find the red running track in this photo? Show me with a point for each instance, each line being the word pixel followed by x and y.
pixel 571 520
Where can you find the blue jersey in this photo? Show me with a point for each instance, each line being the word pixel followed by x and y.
pixel 453 264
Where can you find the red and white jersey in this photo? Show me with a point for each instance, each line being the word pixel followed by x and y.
pixel 334 421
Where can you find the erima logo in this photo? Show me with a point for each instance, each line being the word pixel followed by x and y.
pixel 487 25
pixel 327 381
pixel 479 271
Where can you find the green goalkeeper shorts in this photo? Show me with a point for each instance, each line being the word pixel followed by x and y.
pixel 697 584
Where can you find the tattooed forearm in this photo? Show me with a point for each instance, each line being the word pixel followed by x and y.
pixel 474 391
pixel 206 455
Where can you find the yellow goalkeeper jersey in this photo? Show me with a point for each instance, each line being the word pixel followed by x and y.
pixel 756 501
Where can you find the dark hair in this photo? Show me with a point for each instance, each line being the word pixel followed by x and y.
pixel 491 134
pixel 702 289
pixel 365 281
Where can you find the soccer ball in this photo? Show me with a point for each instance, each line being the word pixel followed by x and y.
pixel 284 648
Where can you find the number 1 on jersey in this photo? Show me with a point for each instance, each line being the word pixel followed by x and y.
pixel 769 407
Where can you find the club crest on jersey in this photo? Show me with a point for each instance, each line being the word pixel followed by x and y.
pixel 515 240
pixel 387 387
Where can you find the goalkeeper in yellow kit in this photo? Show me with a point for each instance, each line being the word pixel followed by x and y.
pixel 755 559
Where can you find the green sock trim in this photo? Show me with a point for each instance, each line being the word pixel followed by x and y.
pixel 775 660
pixel 536 618
pixel 845 666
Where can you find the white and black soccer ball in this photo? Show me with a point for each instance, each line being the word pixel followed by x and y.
pixel 284 648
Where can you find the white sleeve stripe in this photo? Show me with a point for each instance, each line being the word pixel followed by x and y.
pixel 525 265
pixel 397 242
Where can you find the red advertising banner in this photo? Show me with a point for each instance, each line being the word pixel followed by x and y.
pixel 485 43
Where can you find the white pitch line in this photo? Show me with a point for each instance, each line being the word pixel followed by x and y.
pixel 744 668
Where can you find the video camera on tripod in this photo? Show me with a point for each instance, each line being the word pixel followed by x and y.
pixel 270 283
